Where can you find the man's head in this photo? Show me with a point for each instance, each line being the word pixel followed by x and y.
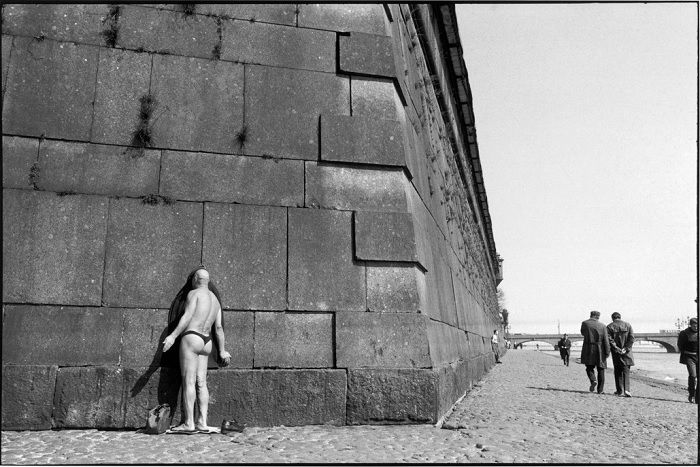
pixel 616 315
pixel 565 335
pixel 495 331
pixel 595 314
pixel 200 278
pixel 693 324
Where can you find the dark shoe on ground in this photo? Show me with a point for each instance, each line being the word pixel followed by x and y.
pixel 617 393
pixel 593 385
pixel 691 399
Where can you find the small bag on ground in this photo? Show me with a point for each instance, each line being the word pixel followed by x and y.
pixel 158 420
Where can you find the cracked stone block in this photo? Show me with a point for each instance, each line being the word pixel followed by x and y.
pixel 376 98
pixel 167 31
pixel 382 340
pixel 278 397
pixel 123 79
pixel 362 140
pixel 97 169
pixel 384 236
pixel 27 396
pixel 248 180
pixel 350 188
pixel 391 396
pixel 367 18
pixel 293 340
pixel 18 157
pixel 366 54
pixel 69 23
pixel 322 274
pixel 150 251
pixel 53 335
pixel 245 250
pixel 282 46
pixel 396 288
pixel 53 247
pixel 199 104
pixel 50 88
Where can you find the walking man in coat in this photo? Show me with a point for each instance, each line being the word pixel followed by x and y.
pixel 564 345
pixel 595 350
pixel 688 347
pixel 621 339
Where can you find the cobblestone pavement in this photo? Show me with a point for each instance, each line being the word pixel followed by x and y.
pixel 529 409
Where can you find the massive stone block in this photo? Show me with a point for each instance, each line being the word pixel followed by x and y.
pixel 199 104
pixel 53 247
pixel 123 78
pixel 447 343
pixel 51 335
pixel 362 140
pixel 27 396
pixel 232 179
pixel 278 397
pixel 283 46
pixel 239 331
pixel 376 98
pixel 143 332
pixel 18 157
pixel 293 340
pixel 381 340
pixel 369 18
pixel 453 383
pixel 70 23
pixel 150 251
pixel 245 250
pixel 333 187
pixel 391 396
pixel 89 397
pixel 322 275
pixel 283 107
pixel 167 31
pixel 384 236
pixel 96 169
pixel 279 13
pixel 366 54
pixel 50 89
pixel 395 288
pixel 144 388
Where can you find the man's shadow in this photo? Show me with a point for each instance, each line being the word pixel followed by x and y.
pixel 586 392
pixel 170 379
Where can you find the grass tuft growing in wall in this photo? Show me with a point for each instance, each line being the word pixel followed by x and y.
pixel 111 22
pixel 34 173
pixel 142 136
pixel 241 137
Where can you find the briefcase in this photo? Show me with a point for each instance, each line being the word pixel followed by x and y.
pixel 158 420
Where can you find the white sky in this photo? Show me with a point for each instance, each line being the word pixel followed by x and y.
pixel 586 123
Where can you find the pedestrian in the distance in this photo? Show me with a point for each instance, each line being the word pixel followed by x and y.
pixel 564 345
pixel 688 347
pixel 595 350
pixel 494 345
pixel 621 338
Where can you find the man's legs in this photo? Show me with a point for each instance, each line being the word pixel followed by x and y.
pixel 625 378
pixel 188 367
pixel 619 382
pixel 590 372
pixel 692 365
pixel 202 391
pixel 601 379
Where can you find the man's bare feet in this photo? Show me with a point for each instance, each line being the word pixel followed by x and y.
pixel 182 428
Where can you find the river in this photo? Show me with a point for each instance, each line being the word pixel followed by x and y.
pixel 649 360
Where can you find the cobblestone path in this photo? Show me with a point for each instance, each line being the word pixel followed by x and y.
pixel 529 409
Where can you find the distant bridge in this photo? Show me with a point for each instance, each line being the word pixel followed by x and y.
pixel 666 339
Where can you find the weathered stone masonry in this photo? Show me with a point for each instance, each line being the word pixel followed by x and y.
pixel 320 160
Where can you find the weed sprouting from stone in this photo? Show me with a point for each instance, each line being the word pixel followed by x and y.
pixel 150 199
pixel 65 193
pixel 142 137
pixel 242 136
pixel 111 23
pixel 189 8
pixel 34 173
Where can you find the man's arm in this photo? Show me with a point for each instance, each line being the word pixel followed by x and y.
pixel 220 340
pixel 630 340
pixel 682 340
pixel 611 340
pixel 190 306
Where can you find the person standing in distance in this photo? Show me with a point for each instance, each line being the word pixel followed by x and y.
pixel 494 345
pixel 621 339
pixel 595 350
pixel 688 347
pixel 564 345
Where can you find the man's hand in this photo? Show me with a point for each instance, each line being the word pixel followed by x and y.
pixel 225 358
pixel 168 342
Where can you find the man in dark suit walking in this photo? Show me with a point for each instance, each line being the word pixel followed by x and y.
pixel 564 345
pixel 621 339
pixel 595 350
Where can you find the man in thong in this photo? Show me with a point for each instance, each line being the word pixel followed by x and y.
pixel 202 309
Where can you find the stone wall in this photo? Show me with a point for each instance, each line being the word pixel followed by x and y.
pixel 311 156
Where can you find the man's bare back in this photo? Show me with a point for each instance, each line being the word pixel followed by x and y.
pixel 206 306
